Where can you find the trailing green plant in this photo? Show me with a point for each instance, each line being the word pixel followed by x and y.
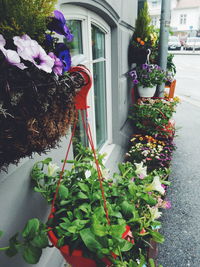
pixel 79 219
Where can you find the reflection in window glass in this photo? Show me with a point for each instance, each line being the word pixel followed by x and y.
pixel 76 46
pixel 98 43
pixel 99 76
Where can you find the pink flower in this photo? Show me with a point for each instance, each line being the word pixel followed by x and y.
pixel 141 176
pixel 148 158
pixel 58 65
pixel 166 204
pixel 30 50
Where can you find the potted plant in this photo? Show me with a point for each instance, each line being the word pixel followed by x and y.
pixel 144 38
pixel 154 116
pixel 147 77
pixel 78 225
pixel 37 92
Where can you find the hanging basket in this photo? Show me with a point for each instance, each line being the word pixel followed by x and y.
pixel 76 259
pixel 137 55
pixel 35 112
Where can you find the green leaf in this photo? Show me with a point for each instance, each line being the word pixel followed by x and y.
pixel 31 228
pixel 32 254
pixel 61 242
pixel 151 262
pixel 89 240
pixel 13 246
pixel 65 225
pixel 83 187
pixel 63 192
pixel 40 241
pixel 86 207
pixel 81 195
pixel 47 161
pixel 118 230
pixel 149 199
pixel 72 229
pixel 157 236
pixel 98 229
pixel 127 209
pixel 126 246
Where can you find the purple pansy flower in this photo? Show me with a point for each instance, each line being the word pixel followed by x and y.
pixel 133 74
pixel 135 81
pixel 48 39
pixel 11 56
pixel 144 66
pixel 58 65
pixel 30 50
pixel 58 24
pixel 63 54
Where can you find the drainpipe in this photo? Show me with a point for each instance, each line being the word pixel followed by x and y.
pixel 164 35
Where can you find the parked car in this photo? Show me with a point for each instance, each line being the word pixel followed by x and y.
pixel 192 43
pixel 174 43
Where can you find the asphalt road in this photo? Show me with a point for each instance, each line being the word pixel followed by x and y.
pixel 181 224
pixel 188 77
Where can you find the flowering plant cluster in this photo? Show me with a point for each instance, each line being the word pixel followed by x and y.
pixel 152 115
pixel 28 54
pixel 37 91
pixel 152 152
pixel 152 146
pixel 147 75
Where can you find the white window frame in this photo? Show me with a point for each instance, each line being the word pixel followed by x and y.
pixel 88 18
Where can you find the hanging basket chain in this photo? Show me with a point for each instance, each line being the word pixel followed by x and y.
pixel 81 104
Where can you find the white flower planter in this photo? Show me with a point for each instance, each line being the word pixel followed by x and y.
pixel 146 91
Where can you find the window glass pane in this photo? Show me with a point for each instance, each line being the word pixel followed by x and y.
pixel 98 43
pixel 76 46
pixel 100 102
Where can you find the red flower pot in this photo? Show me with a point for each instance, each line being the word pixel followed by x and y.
pixel 76 258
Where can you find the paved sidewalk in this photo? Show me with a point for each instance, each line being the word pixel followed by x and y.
pixel 181 224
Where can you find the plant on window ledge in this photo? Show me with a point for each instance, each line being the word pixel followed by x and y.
pixel 37 91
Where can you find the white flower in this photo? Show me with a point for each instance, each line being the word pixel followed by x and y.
pixel 140 169
pixel 11 56
pixel 52 168
pixel 156 186
pixel 2 41
pixel 155 214
pixel 87 174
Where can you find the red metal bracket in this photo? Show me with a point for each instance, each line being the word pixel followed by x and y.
pixel 81 96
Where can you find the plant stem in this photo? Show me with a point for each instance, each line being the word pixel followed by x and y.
pixel 5 248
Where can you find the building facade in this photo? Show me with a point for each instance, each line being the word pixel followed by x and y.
pixel 185 16
pixel 102 30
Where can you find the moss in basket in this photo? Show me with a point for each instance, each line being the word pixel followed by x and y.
pixel 79 219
